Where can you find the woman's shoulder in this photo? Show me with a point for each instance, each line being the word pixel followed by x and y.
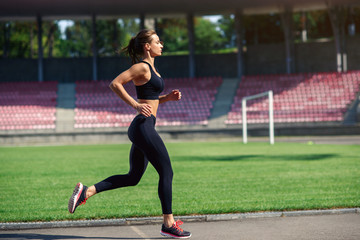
pixel 140 68
pixel 140 71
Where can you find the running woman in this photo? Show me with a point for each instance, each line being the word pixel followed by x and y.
pixel 147 146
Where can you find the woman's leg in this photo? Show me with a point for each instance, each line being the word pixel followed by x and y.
pixel 138 164
pixel 155 151
pixel 142 133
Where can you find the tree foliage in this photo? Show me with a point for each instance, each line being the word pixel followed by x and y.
pixel 18 39
pixel 207 36
pixel 173 32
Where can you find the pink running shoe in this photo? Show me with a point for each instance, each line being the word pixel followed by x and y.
pixel 175 231
pixel 78 197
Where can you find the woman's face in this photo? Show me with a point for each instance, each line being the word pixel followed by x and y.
pixel 156 46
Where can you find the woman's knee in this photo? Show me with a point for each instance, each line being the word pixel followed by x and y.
pixel 133 179
pixel 167 174
pixel 133 182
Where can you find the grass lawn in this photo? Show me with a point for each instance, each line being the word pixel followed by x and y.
pixel 210 178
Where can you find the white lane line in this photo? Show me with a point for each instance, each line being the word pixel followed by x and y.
pixel 140 233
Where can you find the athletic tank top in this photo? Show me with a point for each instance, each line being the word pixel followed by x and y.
pixel 152 88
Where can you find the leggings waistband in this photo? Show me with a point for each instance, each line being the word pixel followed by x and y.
pixel 140 116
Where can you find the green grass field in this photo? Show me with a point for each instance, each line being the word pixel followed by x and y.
pixel 210 178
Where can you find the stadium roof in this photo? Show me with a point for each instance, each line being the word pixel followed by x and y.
pixel 18 9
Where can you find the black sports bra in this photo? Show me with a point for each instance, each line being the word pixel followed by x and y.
pixel 151 89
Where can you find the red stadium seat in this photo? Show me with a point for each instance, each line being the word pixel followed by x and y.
pixel 28 105
pixel 97 106
pixel 305 97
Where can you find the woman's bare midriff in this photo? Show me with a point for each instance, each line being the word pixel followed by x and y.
pixel 153 103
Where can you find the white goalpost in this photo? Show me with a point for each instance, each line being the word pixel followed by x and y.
pixel 271 114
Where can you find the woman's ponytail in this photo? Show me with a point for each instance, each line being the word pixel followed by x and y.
pixel 130 50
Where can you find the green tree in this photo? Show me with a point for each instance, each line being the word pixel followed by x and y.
pixel 78 40
pixel 173 33
pixel 127 29
pixel 175 36
pixel 19 39
pixel 107 32
pixel 51 34
pixel 207 37
pixel 111 36
pixel 227 28
pixel 15 39
pixel 318 24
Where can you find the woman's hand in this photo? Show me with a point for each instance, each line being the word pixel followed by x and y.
pixel 144 109
pixel 175 95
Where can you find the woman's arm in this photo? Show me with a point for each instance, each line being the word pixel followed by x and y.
pixel 175 95
pixel 136 73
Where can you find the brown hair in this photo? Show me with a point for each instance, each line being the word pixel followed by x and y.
pixel 135 49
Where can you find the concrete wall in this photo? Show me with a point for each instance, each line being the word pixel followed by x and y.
pixel 258 59
pixel 315 57
pixel 18 70
pixel 353 51
pixel 336 132
pixel 67 69
pixel 265 59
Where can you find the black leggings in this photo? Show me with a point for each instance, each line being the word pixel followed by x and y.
pixel 147 146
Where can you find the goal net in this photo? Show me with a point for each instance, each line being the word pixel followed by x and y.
pixel 271 114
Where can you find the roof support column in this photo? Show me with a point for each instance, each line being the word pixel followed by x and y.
pixel 142 21
pixel 337 19
pixel 239 42
pixel 286 20
pixel 7 28
pixel 94 48
pixel 191 36
pixel 156 25
pixel 40 49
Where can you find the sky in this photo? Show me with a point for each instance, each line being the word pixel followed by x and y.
pixel 63 24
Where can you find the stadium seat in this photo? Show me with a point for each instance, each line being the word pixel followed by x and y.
pixel 97 106
pixel 28 105
pixel 305 97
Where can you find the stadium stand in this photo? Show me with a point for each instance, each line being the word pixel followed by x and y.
pixel 306 97
pixel 97 107
pixel 198 95
pixel 28 105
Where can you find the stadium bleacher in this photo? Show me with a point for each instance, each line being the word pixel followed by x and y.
pixel 28 105
pixel 97 106
pixel 195 105
pixel 305 97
